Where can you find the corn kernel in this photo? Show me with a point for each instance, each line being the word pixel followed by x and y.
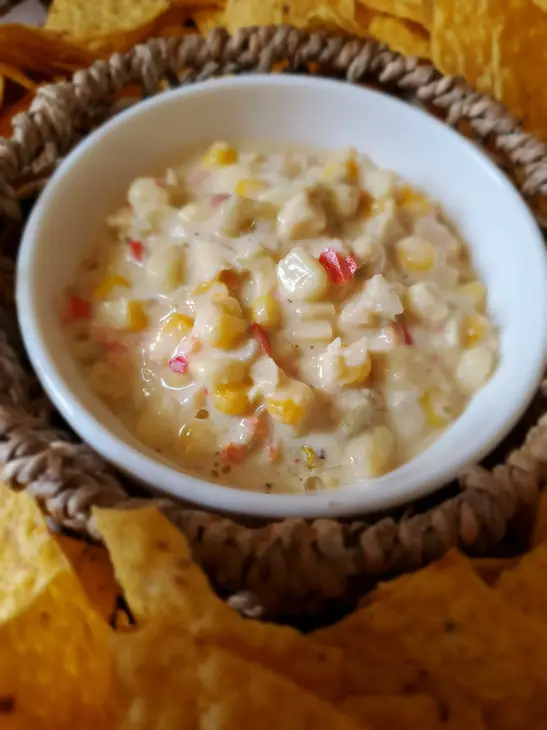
pixel 217 289
pixel 177 323
pixel 476 291
pixel 232 400
pixel 436 408
pixel 357 374
pixel 248 188
pixel 474 329
pixel 266 311
pixel 220 153
pixel 136 316
pixel 228 331
pixel 413 201
pixel 309 454
pixel 341 171
pixel 415 254
pixel 108 284
pixel 286 411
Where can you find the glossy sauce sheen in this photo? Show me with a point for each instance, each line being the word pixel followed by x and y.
pixel 281 320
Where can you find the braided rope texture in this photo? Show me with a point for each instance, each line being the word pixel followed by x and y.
pixel 294 566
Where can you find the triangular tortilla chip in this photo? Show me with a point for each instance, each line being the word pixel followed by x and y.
pixel 160 581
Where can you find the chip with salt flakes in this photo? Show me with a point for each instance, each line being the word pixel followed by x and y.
pixel 419 11
pixel 466 642
pixel 95 572
pixel 160 582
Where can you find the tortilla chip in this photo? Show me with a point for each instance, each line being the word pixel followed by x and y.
pixel 404 712
pixel 206 19
pixel 539 533
pixel 95 572
pixel 30 557
pixel 177 681
pixel 98 23
pixel 499 49
pixel 9 72
pixel 34 49
pixel 467 643
pixel 160 581
pixel 490 569
pixel 240 13
pixel 419 11
pixel 323 17
pixel 525 587
pixel 402 36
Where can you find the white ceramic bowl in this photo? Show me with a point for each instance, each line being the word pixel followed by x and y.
pixel 506 244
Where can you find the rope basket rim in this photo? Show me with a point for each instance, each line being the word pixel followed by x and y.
pixel 293 566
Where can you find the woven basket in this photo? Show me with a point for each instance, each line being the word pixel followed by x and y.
pixel 293 567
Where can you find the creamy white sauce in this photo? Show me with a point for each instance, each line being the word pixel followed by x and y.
pixel 281 320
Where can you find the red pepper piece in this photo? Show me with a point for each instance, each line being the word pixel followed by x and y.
pixel 236 453
pixel 260 334
pixel 178 364
pixel 404 334
pixel 137 250
pixel 76 308
pixel 340 270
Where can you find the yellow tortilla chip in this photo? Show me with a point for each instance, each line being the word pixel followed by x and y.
pixel 30 557
pixel 34 49
pixel 539 533
pixel 9 72
pixel 419 11
pixel 55 661
pixel 206 19
pixel 498 48
pixel 323 17
pixel 404 712
pixel 402 36
pixel 174 680
pixel 89 22
pixel 161 582
pixel 467 643
pixel 525 587
pixel 490 569
pixel 95 572
pixel 239 13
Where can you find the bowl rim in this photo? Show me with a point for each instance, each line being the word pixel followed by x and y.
pixel 345 502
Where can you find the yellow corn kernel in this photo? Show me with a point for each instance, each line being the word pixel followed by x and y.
pixel 229 305
pixel 357 374
pixel 414 254
pixel 136 316
pixel 436 408
pixel 476 291
pixel 474 329
pixel 217 289
pixel 233 400
pixel 177 323
pixel 266 311
pixel 413 201
pixel 108 284
pixel 227 332
pixel 286 411
pixel 309 454
pixel 341 171
pixel 249 187
pixel 220 153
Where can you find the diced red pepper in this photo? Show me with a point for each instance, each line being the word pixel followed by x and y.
pixel 236 453
pixel 218 198
pixel 75 309
pixel 404 334
pixel 178 364
pixel 340 270
pixel 260 334
pixel 137 250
